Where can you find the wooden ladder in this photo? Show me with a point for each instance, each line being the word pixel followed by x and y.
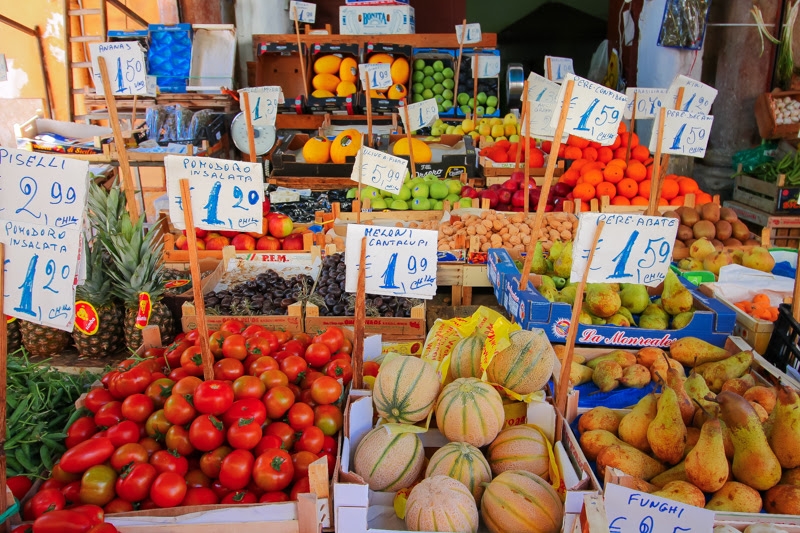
pixel 80 14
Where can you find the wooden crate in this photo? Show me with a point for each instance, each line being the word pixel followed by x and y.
pixel 391 328
pixel 784 230
pixel 765 116
pixel 771 198
pixel 490 169
pixel 173 255
pixel 462 277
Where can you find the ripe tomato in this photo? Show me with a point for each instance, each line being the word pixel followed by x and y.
pixel 213 397
pixel 261 365
pixel 215 342
pixel 341 356
pixel 172 355
pixel 88 453
pixel 326 390
pixel 92 512
pixel 273 470
pixel 196 478
pixel 300 416
pixel 253 330
pixel 179 410
pixel 245 408
pixel 170 461
pixel 282 336
pixel 305 397
pixel 328 418
pixel 274 344
pixel 177 440
pixel 245 434
pixel 370 368
pixel 219 489
pixel 310 377
pixel 273 378
pixel 178 374
pixel 19 485
pixel 80 430
pixel 317 354
pixel 301 486
pixel 311 440
pixel 340 369
pixel 211 462
pixel 103 527
pixel 72 492
pixel 206 433
pixel 192 361
pixel 97 398
pixel 199 496
pixel 331 460
pixel 304 338
pixel 118 505
pixel 293 366
pixel 58 474
pixel 128 453
pixel 347 346
pixel 329 445
pixel 193 337
pixel 137 407
pixel 186 385
pixel 133 484
pixel 47 500
pixel 109 414
pixel 228 368
pixel 300 462
pixel 158 391
pixel 62 521
pixel 278 400
pixel 293 348
pixel 234 347
pixel 283 431
pixel 267 442
pixel 248 387
pixel 239 498
pixel 150 444
pixel 157 425
pixel 236 469
pixel 233 326
pixel 277 496
pixel 97 485
pixel 168 489
pixel 258 346
pixel 332 337
pixel 124 432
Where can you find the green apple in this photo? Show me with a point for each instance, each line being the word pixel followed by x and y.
pixel 428 82
pixel 480 111
pixel 439 190
pixel 428 70
pixel 513 138
pixel 465 202
pixel 439 98
pixel 491 101
pixel 417 98
pixel 420 191
pixel 427 94
pixel 471 103
pixel 438 66
pixel 438 88
pixel 449 84
pixel 430 178
pixel 436 131
pixel 417 180
pixel 370 192
pixel 450 129
pixel 453 198
pixel 352 193
pixel 419 64
pixel 466 109
pixel 447 104
pixel 447 94
pixel 463 98
pixel 398 205
pixel 481 97
pixel 454 186
pixel 386 194
pixel 439 123
pixel 448 73
pixel 438 205
pixel 438 77
pixel 418 76
pixel 491 110
pixel 420 204
pixel 378 204
pixel 404 194
pixel 439 107
pixel 417 88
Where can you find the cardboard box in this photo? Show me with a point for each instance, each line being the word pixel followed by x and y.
pixel 451 166
pixel 92 137
pixel 285 163
pixel 491 84
pixel 388 105
pixel 376 20
pixel 349 105
pixel 754 331
pixel 377 2
pixel 279 64
pixel 391 328
pixel 430 56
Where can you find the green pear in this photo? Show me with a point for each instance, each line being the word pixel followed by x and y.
pixel 667 432
pixel 624 311
pixel 538 265
pixel 706 465
pixel 716 374
pixel 785 433
pixel 602 300
pixel 585 318
pixel 691 351
pixel 676 298
pixel 654 317
pixel 567 295
pixel 606 375
pixel 562 266
pixel 682 320
pixel 634 297
pixel 619 320
pixel 633 426
pixel 555 250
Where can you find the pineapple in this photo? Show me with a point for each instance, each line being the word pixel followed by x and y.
pixel 42 340
pixel 96 290
pixel 14 341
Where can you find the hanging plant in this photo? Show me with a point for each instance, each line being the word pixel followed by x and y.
pixel 785 65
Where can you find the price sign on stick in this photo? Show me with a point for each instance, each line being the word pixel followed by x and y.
pixel 542 94
pixel 264 102
pixel 41 217
pixel 684 133
pixel 380 170
pixel 561 66
pixel 631 511
pixel 488 65
pixel 226 195
pixel 697 97
pixel 595 111
pixel 126 67
pixel 648 102
pixel 473 35
pixel 632 248
pixel 421 114
pixel 380 75
pixel 303 12
pixel 400 261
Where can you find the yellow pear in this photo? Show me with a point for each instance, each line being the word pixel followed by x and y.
pixel 667 432
pixel 706 464
pixel 633 426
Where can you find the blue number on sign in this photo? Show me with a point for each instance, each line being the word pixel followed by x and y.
pixel 26 298
pixel 663 253
pixel 653 102
pixel 57 195
pixel 539 96
pixel 388 274
pixel 50 270
pixel 622 258
pixel 239 196
pixel 412 265
pixel 120 78
pixel 676 142
pixel 614 115
pixel 585 117
pixel 694 134
pixel 256 111
pixel 689 102
pixel 213 205
pixel 29 187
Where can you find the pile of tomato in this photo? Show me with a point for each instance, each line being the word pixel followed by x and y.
pixel 157 436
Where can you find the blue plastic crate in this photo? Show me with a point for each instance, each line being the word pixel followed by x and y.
pixel 170 56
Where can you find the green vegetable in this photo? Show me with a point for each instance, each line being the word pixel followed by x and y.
pixel 789 166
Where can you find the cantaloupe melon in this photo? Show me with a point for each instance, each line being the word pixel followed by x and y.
pixel 526 365
pixel 440 503
pixel 346 144
pixel 389 462
pixel 462 462
pixel 520 501
pixel 465 359
pixel 317 150
pixel 348 70
pixel 422 152
pixel 327 65
pixel 519 448
pixel 345 88
pixel 470 410
pixel 380 58
pixel 325 82
pixel 400 70
pixel 405 390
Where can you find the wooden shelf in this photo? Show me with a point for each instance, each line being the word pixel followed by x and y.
pixel 417 40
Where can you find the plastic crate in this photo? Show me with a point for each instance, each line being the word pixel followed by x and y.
pixel 783 349
pixel 696 277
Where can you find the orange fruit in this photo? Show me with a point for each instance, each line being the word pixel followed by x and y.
pixel 648 171
pixel 622 128
pixel 585 207
pixel 570 177
pixel 688 185
pixel 583 191
pixel 620 200
pixel 605 189
pixel 636 171
pixel 640 153
pixel 561 151
pixel 572 152
pixel 671 177
pixel 616 144
pixel 613 173
pixel 703 198
pixel 639 200
pixel 678 200
pixel 590 153
pixel 627 188
pixel 619 162
pixel 577 165
pixel 662 201
pixel 592 165
pixel 629 138
pixel 644 188
pixel 605 154
pixel 620 153
pixel 593 177
pixel 546 146
pixel 669 189
pixel 577 142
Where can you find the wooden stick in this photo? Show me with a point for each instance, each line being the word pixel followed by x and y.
pixel 524 121
pixel 408 136
pixel 630 130
pixel 572 333
pixel 251 136
pixel 360 319
pixel 548 181
pixel 369 110
pixel 3 389
pixel 133 113
pixel 652 205
pixel 458 62
pixel 665 158
pixel 300 54
pixel 122 151
pixel 549 69
pixel 197 287
pixel 475 89
pixel 795 299
pixel 527 169
pixel 360 163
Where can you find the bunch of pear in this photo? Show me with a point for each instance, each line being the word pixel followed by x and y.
pixel 716 432
pixel 704 256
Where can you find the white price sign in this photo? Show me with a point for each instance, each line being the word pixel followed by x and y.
pixel 561 67
pixel 631 511
pixel 264 102
pixel 542 94
pixel 684 133
pixel 303 12
pixel 595 111
pixel 697 97
pixel 632 248
pixel 421 114
pixel 648 102
pixel 126 67
pixel 380 75
pixel 488 65
pixel 380 170
pixel 473 35
pixel 400 261
pixel 226 195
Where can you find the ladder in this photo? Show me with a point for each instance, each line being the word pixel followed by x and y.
pixel 81 69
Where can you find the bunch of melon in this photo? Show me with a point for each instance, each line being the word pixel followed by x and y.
pixel 334 76
pixel 400 71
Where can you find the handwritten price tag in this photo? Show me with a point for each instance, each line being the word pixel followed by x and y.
pixel 648 102
pixel 380 75
pixel 697 97
pixel 561 67
pixel 226 195
pixel 488 65
pixel 126 67
pixel 380 170
pixel 631 511
pixel 542 94
pixel 684 133
pixel 400 261
pixel 594 111
pixel 264 102
pixel 632 248
pixel 421 114
pixel 303 12
pixel 473 35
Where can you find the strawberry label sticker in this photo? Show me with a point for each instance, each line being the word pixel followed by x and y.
pixel 145 308
pixel 10 319
pixel 86 318
pixel 175 283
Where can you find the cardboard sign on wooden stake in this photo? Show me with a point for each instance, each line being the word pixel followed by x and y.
pixel 359 330
pixel 461 38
